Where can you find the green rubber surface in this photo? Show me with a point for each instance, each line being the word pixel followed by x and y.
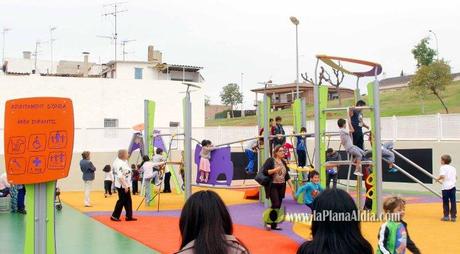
pixel 76 233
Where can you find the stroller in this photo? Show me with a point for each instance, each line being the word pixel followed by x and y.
pixel 57 199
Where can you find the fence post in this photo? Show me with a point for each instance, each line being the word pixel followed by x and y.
pixel 439 134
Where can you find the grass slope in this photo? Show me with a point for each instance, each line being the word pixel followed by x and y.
pixel 393 103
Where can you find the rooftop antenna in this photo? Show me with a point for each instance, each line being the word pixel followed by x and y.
pixel 114 13
pixel 37 46
pixel 123 45
pixel 51 47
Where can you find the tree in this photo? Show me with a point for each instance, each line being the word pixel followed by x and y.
pixel 207 100
pixel 423 54
pixel 231 96
pixel 338 79
pixel 432 79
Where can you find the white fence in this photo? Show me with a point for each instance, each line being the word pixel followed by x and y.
pixel 430 127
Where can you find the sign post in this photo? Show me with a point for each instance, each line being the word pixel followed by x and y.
pixel 38 141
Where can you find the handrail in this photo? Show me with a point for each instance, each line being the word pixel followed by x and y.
pixel 417 181
pixel 415 165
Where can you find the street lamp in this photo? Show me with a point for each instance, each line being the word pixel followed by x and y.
pixel 437 48
pixel 296 22
pixel 3 49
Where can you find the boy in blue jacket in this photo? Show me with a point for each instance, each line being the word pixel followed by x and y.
pixel 310 189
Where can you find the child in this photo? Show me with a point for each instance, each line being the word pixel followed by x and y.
pixel 205 156
pixel 351 149
pixel 250 151
pixel 310 189
pixel 287 148
pixel 393 236
pixel 279 132
pixel 158 164
pixel 108 179
pixel 301 148
pixel 387 154
pixel 135 179
pixel 448 177
pixel 331 169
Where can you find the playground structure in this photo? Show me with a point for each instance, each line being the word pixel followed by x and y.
pixel 221 163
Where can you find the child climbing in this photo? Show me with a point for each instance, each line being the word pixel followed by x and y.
pixel 331 169
pixel 356 152
pixel 387 154
pixel 310 189
pixel 205 156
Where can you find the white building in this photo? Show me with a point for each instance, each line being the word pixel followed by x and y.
pixel 111 95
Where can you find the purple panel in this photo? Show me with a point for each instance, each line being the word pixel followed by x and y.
pixel 136 143
pixel 158 142
pixel 220 164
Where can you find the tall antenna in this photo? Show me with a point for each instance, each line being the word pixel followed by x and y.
pixel 37 47
pixel 123 45
pixel 114 13
pixel 51 47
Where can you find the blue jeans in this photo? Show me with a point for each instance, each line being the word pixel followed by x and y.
pixel 251 157
pixel 448 196
pixel 21 195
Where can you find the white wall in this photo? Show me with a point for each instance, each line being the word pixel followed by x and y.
pixel 96 98
pixel 125 70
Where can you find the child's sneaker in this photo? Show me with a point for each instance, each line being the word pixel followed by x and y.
pixel 393 170
pixel 453 219
pixel 445 219
pixel 357 173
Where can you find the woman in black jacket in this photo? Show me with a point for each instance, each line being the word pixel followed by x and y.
pixel 277 169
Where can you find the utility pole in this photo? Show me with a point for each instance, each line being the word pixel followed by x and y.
pixel 242 94
pixel 114 13
pixel 123 45
pixel 4 31
pixel 51 47
pixel 37 43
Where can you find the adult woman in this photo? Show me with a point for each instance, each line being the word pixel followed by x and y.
pixel 206 226
pixel 277 169
pixel 87 168
pixel 331 236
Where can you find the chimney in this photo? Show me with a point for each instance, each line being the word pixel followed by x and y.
pixel 85 67
pixel 26 54
pixel 150 54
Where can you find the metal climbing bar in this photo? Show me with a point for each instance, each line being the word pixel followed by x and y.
pixel 417 181
pixel 347 108
pixel 167 135
pixel 307 135
pixel 413 164
pixel 341 163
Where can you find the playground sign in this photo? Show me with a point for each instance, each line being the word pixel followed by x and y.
pixel 38 139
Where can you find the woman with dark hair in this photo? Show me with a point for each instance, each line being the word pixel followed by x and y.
pixel 206 226
pixel 87 168
pixel 332 236
pixel 277 169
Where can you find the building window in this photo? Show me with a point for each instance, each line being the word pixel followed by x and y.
pixel 137 73
pixel 110 123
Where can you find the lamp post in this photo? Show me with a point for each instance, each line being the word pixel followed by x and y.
pixel 296 22
pixel 4 31
pixel 437 48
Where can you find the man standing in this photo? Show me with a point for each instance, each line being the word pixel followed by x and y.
pixel 87 168
pixel 123 182
pixel 357 124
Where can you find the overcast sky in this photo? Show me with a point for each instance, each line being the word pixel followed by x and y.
pixel 228 38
